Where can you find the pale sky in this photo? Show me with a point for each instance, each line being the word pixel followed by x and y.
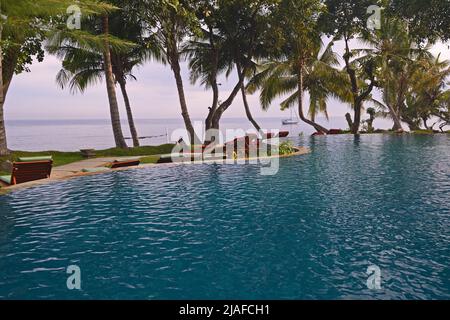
pixel 35 96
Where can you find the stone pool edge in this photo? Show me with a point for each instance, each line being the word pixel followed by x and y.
pixel 8 189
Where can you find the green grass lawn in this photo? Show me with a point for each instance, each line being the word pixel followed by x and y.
pixel 62 158
pixel 150 160
pixel 423 131
pixel 133 152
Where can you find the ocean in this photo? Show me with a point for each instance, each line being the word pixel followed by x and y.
pixel 73 135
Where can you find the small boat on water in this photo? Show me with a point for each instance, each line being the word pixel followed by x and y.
pixel 290 121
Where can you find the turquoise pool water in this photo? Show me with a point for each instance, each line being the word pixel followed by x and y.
pixel 225 231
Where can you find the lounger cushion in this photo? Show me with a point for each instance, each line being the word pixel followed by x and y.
pixel 126 160
pixel 6 179
pixel 32 159
pixel 93 170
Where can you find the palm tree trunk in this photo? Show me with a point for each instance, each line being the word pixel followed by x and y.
pixel 357 101
pixel 395 117
pixel 175 64
pixel 134 134
pixel 357 115
pixel 348 118
pixel 246 106
pixel 209 135
pixel 425 123
pixel 413 126
pixel 214 85
pixel 110 86
pixel 3 143
pixel 247 110
pixel 225 105
pixel 213 108
pixel 316 126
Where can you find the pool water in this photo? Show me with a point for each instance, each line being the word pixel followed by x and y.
pixel 226 232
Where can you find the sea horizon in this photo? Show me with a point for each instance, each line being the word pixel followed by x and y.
pixel 76 134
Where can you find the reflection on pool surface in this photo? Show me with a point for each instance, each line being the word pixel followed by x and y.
pixel 226 232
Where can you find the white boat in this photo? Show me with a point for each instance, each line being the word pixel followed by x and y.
pixel 291 120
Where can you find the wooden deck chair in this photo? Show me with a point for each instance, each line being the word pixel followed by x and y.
pixel 125 163
pixel 28 171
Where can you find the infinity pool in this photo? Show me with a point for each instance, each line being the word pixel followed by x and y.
pixel 226 232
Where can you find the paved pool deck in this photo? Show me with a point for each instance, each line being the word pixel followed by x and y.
pixel 74 170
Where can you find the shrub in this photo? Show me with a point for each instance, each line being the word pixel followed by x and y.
pixel 286 148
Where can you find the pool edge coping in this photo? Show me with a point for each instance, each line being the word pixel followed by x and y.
pixel 5 190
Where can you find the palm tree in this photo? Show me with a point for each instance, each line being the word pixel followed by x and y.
pixel 207 61
pixel 232 35
pixel 300 39
pixel 428 95
pixel 209 56
pixel 96 40
pixel 29 18
pixel 396 58
pixel 248 112
pixel 443 112
pixel 169 23
pixel 84 67
pixel 111 88
pixel 321 79
pixel 372 115
pixel 345 20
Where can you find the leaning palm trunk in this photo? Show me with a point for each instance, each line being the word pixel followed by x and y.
pixel 358 97
pixel 225 105
pixel 246 106
pixel 316 126
pixel 247 110
pixel 174 60
pixel 394 112
pixel 113 105
pixel 131 124
pixel 395 117
pixel 3 144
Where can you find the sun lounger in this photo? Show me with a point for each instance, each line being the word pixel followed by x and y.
pixel 125 163
pixel 28 171
pixel 335 131
pixel 33 159
pixel 179 157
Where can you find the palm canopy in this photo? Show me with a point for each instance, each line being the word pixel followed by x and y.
pixel 429 95
pixel 83 63
pixel 403 69
pixel 30 17
pixel 207 58
pixel 322 80
pixel 82 68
